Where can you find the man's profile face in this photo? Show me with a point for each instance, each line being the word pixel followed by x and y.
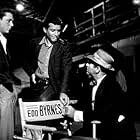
pixel 91 69
pixel 53 32
pixel 6 22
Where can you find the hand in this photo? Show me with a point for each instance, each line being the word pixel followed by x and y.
pixel 64 99
pixel 69 111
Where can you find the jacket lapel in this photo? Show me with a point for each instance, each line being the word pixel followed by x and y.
pixel 100 89
pixel 6 59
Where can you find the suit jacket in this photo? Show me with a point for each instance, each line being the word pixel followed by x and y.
pixel 110 103
pixel 60 64
pixel 5 73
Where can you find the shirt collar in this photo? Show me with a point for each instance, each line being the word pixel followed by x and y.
pixel 45 41
pixel 100 79
pixel 1 35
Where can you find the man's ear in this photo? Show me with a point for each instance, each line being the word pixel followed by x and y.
pixel 44 30
pixel 98 69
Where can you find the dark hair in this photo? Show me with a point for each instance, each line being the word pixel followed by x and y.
pixel 5 10
pixel 53 19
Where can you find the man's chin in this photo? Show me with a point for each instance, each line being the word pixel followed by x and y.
pixel 53 39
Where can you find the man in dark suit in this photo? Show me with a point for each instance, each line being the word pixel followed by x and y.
pixel 104 100
pixel 8 93
pixel 49 64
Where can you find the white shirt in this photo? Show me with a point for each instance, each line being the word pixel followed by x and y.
pixel 43 58
pixel 3 42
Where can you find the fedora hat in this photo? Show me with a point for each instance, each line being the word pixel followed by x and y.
pixel 103 59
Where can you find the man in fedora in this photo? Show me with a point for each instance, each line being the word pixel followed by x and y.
pixel 105 102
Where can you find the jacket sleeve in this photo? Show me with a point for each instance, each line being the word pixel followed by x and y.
pixel 67 66
pixel 6 80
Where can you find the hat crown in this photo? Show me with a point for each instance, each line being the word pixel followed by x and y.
pixel 105 56
pixel 102 58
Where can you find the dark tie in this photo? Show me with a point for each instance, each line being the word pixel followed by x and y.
pixel 93 82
